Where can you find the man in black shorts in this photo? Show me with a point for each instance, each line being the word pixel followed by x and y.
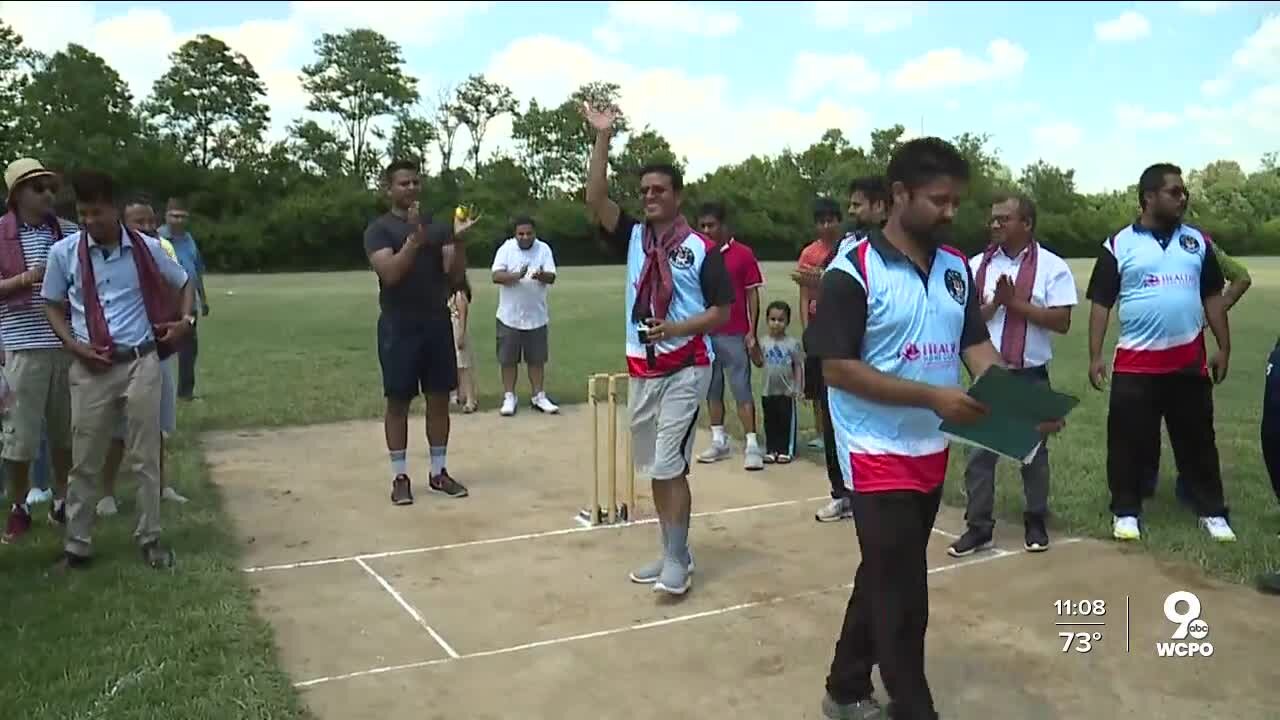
pixel 417 261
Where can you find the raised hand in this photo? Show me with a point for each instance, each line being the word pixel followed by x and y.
pixel 601 120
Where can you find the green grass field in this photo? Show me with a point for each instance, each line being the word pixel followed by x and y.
pixel 121 641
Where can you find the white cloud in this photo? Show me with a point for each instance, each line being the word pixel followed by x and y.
pixel 1136 117
pixel 870 17
pixel 408 23
pixel 815 74
pixel 1209 7
pixel 694 112
pixel 1260 53
pixel 659 19
pixel 949 67
pixel 1216 87
pixel 1128 26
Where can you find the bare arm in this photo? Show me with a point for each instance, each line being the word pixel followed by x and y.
pixel 506 277
pixel 753 310
pixel 1236 290
pixel 861 379
pixel 19 282
pixel 804 307
pixel 392 266
pixel 1099 317
pixel 1215 311
pixel 988 311
pixel 606 211
pixel 980 357
pixel 1057 319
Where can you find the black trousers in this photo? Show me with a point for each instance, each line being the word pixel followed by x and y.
pixel 888 610
pixel 187 365
pixel 779 424
pixel 1271 419
pixel 1138 404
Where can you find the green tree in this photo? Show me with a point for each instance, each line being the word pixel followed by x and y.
pixel 210 102
pixel 1052 188
pixel 411 138
pixel 476 103
pixel 358 76
pixel 17 62
pixel 76 110
pixel 315 149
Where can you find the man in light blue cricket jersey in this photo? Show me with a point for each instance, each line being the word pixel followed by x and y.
pixel 678 291
pixel 897 316
pixel 1166 278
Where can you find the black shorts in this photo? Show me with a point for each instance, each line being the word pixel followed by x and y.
pixel 417 356
pixel 812 378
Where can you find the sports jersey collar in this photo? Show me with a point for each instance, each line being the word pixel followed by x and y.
pixel 888 252
pixel 1161 238
pixel 725 247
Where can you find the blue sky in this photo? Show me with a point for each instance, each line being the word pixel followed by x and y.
pixel 1106 88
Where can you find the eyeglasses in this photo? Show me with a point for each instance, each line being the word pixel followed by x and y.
pixel 40 185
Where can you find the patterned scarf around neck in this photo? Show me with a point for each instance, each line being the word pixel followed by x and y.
pixel 654 288
pixel 1013 341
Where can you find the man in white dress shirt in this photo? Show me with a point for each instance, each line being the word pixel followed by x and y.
pixel 1027 294
pixel 523 269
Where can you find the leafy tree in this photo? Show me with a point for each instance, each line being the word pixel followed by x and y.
pixel 76 109
pixel 358 77
pixel 211 102
pixel 476 103
pixel 411 138
pixel 16 65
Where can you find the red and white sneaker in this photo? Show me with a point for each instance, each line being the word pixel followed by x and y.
pixel 18 525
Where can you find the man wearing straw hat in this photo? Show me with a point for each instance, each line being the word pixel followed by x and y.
pixel 37 363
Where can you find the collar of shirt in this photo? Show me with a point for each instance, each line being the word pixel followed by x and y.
pixel 728 244
pixel 1018 255
pixel 125 241
pixel 1159 236
pixel 886 250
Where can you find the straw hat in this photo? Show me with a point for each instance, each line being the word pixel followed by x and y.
pixel 24 169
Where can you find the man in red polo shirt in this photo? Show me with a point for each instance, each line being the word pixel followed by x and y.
pixel 735 343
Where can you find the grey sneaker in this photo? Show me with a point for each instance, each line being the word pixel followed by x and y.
pixel 834 511
pixel 649 574
pixel 674 578
pixel 867 709
pixel 715 453
pixel 753 459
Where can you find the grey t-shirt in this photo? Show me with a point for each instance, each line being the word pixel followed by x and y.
pixel 425 290
pixel 781 358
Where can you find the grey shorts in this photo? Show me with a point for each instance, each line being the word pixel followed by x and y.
pixel 664 414
pixel 731 361
pixel 516 346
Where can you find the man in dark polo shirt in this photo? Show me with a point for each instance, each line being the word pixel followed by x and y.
pixel 416 261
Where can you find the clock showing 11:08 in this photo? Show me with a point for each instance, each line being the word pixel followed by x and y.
pixel 1080 607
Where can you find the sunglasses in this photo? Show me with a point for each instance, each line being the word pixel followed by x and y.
pixel 41 185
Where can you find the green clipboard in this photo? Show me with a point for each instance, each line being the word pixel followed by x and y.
pixel 1016 405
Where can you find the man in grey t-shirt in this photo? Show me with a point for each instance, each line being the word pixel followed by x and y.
pixel 417 263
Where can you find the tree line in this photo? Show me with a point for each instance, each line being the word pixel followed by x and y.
pixel 301 203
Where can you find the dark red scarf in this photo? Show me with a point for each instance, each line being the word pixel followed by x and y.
pixel 13 261
pixel 157 295
pixel 654 286
pixel 1013 342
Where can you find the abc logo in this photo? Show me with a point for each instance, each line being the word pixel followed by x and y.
pixel 1198 629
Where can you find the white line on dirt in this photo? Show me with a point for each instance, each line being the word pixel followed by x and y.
pixel 993 554
pixel 413 612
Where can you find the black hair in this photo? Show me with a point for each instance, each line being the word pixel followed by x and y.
pixel 715 209
pixel 396 166
pixel 1152 180
pixel 779 305
pixel 93 186
pixel 873 187
pixel 139 198
pixel 1026 206
pixel 176 203
pixel 825 207
pixel 519 220
pixel 677 178
pixel 920 161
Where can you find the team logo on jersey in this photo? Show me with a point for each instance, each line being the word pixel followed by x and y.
pixel 955 285
pixel 681 258
pixel 1189 243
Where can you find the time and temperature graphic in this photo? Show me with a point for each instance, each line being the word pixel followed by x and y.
pixel 1083 624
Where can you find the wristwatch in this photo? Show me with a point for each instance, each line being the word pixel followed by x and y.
pixel 190 320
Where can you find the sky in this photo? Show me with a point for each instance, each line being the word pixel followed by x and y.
pixel 1105 88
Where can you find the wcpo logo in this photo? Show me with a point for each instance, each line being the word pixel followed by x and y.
pixel 1189 635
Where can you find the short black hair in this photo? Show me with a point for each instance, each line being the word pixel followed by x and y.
pixel 779 305
pixel 139 198
pixel 94 186
pixel 176 203
pixel 920 161
pixel 825 207
pixel 396 166
pixel 715 209
pixel 677 177
pixel 1026 206
pixel 873 187
pixel 1152 180
pixel 519 220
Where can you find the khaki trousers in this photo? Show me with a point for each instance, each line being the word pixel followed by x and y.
pixel 97 400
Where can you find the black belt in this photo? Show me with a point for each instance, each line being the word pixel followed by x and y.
pixel 123 353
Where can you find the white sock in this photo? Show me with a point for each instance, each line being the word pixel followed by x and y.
pixel 437 460
pixel 399 465
pixel 509 396
pixel 751 441
pixel 717 435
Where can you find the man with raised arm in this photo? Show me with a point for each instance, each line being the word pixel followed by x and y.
pixel 677 291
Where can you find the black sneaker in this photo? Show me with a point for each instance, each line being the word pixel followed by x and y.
pixel 446 485
pixel 58 512
pixel 1036 537
pixel 157 556
pixel 971 542
pixel 401 491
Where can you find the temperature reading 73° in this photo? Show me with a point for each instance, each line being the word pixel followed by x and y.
pixel 1081 642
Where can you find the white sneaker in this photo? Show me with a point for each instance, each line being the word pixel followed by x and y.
pixel 542 404
pixel 752 458
pixel 37 496
pixel 1126 528
pixel 107 506
pixel 508 405
pixel 172 495
pixel 1218 528
pixel 715 452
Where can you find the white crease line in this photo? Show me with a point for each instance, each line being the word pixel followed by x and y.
pixel 995 554
pixel 413 612
pixel 515 538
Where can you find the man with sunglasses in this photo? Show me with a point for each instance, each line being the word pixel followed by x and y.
pixel 37 363
pixel 1166 277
